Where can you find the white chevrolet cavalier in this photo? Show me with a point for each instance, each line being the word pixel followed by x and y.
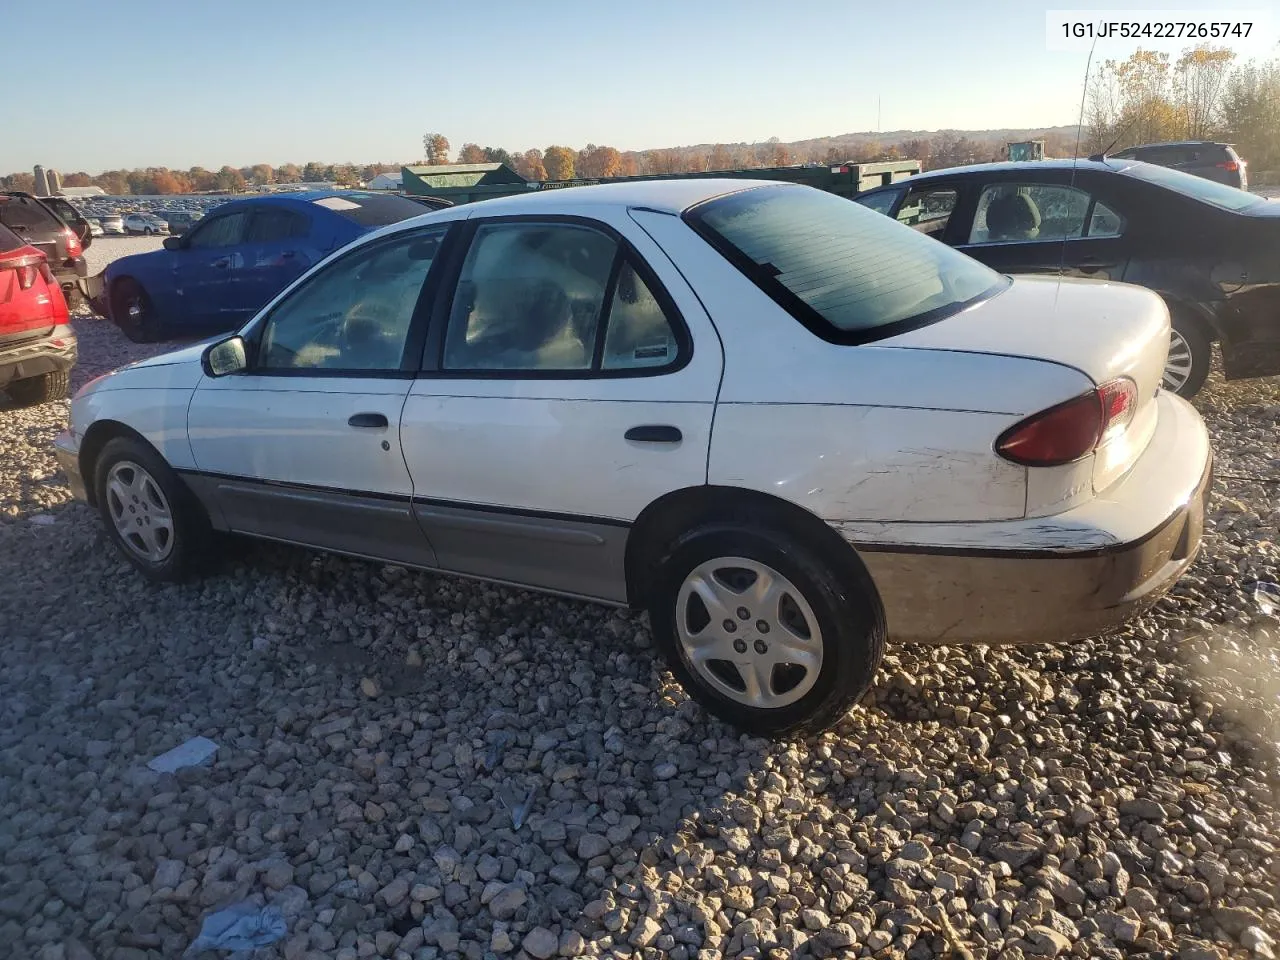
pixel 784 424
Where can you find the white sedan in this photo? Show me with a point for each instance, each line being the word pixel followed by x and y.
pixel 785 425
pixel 144 223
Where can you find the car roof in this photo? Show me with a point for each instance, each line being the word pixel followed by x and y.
pixel 665 196
pixel 1105 166
pixel 1176 143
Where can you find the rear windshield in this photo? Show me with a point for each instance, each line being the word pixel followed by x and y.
pixel 371 209
pixel 849 274
pixel 28 217
pixel 1197 188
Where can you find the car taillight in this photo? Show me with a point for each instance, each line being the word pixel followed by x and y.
pixel 1230 165
pixel 1071 430
pixel 73 244
pixel 27 268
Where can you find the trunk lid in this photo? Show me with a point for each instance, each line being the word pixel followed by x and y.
pixel 24 313
pixel 1105 330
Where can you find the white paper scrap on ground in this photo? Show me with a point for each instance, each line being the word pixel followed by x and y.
pixel 195 751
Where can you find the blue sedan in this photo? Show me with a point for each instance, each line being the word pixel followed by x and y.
pixel 239 256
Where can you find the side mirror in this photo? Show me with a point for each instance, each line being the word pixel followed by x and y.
pixel 224 357
pixel 173 243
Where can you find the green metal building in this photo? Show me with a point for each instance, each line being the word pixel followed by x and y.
pixel 466 183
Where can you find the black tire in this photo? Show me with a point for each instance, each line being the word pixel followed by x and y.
pixel 190 543
pixel 140 326
pixel 30 391
pixel 1198 348
pixel 845 604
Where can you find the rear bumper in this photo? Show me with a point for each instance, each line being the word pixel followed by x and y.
pixel 93 289
pixel 67 451
pixel 1057 578
pixel 31 358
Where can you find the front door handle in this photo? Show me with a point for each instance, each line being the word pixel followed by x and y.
pixel 367 420
pixel 655 433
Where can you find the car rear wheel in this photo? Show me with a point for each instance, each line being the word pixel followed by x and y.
pixel 1190 356
pixel 33 390
pixel 762 632
pixel 151 516
pixel 132 311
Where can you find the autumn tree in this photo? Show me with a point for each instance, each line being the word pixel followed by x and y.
pixel 529 165
pixel 558 162
pixel 288 173
pixel 1250 112
pixel 435 147
pixel 628 166
pixel 113 182
pixel 78 179
pixel 26 182
pixel 472 153
pixel 721 158
pixel 313 172
pixel 499 155
pixel 1201 79
pixel 229 179
pixel 596 162
pixel 261 173
pixel 169 181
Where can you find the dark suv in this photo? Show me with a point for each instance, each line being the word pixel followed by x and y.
pixel 72 217
pixel 38 225
pixel 1203 158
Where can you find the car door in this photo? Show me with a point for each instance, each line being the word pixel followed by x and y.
pixel 1025 224
pixel 208 269
pixel 569 381
pixel 305 445
pixel 276 253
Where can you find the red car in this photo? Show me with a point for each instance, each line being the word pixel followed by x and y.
pixel 37 345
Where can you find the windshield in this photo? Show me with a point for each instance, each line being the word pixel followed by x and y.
pixel 849 274
pixel 1197 188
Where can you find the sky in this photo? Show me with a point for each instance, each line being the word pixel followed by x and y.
pixel 151 83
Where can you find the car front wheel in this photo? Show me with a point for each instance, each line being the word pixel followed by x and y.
pixel 150 515
pixel 761 630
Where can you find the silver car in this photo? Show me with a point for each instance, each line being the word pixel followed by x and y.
pixel 112 224
pixel 144 223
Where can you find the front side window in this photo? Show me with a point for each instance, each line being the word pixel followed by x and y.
pixel 928 209
pixel 530 297
pixel 224 231
pixel 849 274
pixel 355 314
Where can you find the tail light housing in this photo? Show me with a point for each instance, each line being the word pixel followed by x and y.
pixel 27 268
pixel 74 248
pixel 1230 165
pixel 1072 430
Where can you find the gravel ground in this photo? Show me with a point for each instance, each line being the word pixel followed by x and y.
pixel 380 732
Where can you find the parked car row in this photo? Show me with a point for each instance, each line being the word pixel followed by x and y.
pixel 40 225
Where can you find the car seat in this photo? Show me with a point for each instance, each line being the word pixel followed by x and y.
pixel 1013 216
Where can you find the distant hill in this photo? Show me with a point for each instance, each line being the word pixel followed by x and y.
pixel 862 138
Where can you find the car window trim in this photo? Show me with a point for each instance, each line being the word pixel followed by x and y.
pixel 418 321
pixel 432 365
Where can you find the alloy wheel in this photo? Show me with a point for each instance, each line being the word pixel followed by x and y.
pixel 747 632
pixel 1178 367
pixel 140 511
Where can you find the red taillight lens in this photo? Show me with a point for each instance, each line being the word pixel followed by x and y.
pixel 1231 165
pixel 74 248
pixel 27 276
pixel 1071 430
pixel 26 267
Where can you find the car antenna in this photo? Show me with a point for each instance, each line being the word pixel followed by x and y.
pixel 1102 154
pixel 1075 162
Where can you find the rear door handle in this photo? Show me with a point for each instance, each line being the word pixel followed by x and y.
pixel 367 420
pixel 655 433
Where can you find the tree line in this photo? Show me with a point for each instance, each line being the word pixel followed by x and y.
pixel 1202 95
pixel 228 179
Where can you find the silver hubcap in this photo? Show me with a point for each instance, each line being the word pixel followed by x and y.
pixel 140 511
pixel 747 632
pixel 1177 369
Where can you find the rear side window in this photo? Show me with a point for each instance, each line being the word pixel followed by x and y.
pixel 880 202
pixel 63 209
pixel 273 225
pixel 847 273
pixel 371 209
